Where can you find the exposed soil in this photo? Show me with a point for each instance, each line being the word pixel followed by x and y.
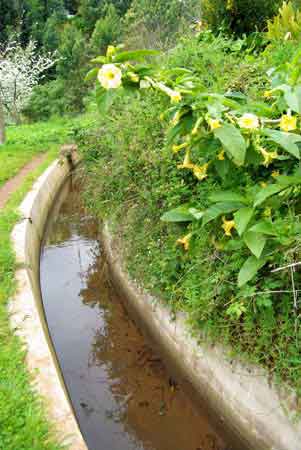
pixel 14 183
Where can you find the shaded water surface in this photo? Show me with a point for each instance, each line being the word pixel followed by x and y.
pixel 123 396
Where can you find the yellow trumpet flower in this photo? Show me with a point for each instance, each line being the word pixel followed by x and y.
pixel 214 124
pixel 275 173
pixel 111 50
pixel 177 148
pixel 185 241
pixel 268 157
pixel 200 172
pixel 227 226
pixel 186 163
pixel 288 123
pixel 133 77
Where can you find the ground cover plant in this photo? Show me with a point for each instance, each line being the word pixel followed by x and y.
pixel 206 199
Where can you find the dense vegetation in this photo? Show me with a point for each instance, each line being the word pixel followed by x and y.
pixel 214 133
pixel 237 226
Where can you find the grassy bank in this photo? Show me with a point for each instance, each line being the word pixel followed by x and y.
pixel 26 141
pixel 132 179
pixel 23 424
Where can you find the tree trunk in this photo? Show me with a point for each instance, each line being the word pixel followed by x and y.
pixel 2 124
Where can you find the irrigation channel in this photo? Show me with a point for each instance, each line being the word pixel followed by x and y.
pixel 122 394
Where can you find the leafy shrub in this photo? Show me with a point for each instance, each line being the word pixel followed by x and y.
pixel 230 187
pixel 238 16
pixel 286 25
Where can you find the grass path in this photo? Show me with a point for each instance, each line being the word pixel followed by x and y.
pixel 15 182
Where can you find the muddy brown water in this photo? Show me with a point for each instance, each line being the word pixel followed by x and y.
pixel 123 396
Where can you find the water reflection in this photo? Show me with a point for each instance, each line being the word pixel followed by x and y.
pixel 121 392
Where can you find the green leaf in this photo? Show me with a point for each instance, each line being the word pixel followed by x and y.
pixel 99 60
pixel 227 196
pixel 135 55
pixel 104 98
pixel 92 74
pixel 288 180
pixel 180 214
pixel 266 192
pixel 255 242
pixel 265 227
pixel 293 99
pixel 196 213
pixel 288 141
pixel 233 142
pixel 249 269
pixel 222 167
pixel 220 208
pixel 242 218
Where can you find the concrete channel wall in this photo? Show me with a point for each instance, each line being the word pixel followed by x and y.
pixel 239 397
pixel 26 309
pixel 254 414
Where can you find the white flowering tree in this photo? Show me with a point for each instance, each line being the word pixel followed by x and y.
pixel 20 70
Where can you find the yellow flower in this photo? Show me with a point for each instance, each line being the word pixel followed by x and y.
pixel 133 77
pixel 268 156
pixel 227 226
pixel 249 121
pixel 275 174
pixel 263 184
pixel 185 241
pixel 214 124
pixel 288 122
pixel 267 212
pixel 199 25
pixel 109 76
pixel 221 155
pixel 186 163
pixel 200 172
pixel 175 96
pixel 111 50
pixel 177 148
pixel 268 94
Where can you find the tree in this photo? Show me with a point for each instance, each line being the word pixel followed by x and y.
pixel 106 31
pixel 20 70
pixel 71 67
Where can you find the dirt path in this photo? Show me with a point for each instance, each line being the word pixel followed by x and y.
pixel 14 183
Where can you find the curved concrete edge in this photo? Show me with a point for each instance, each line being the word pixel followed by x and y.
pixel 26 309
pixel 239 396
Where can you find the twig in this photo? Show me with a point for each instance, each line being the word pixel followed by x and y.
pixel 286 267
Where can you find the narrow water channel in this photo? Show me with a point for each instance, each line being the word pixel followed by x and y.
pixel 123 396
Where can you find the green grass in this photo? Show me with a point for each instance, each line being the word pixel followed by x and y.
pixel 26 141
pixel 23 425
